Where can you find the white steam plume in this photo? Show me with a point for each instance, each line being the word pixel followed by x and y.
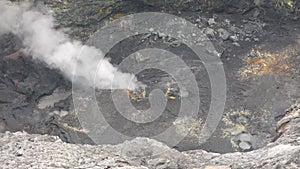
pixel 55 49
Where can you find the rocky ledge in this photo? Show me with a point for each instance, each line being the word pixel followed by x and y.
pixel 22 150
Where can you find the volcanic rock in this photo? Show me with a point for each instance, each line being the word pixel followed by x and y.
pixel 22 150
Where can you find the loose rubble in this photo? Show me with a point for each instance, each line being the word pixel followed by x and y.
pixel 22 150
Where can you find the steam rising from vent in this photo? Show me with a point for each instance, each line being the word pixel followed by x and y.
pixel 54 48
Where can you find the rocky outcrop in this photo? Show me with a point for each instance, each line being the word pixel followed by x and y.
pixel 22 150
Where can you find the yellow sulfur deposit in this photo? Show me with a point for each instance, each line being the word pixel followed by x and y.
pixel 266 63
pixel 136 95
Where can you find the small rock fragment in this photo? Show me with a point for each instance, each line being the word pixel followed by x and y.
pixel 209 31
pixel 234 38
pixel 211 21
pixel 61 113
pixel 224 34
pixel 151 29
pixel 244 145
pixel 245 137
pixel 236 44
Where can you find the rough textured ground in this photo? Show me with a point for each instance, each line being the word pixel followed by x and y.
pixel 22 150
pixel 257 41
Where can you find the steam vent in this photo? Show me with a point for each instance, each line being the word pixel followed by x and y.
pixel 181 84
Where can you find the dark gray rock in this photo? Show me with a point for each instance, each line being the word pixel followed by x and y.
pixel 8 96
